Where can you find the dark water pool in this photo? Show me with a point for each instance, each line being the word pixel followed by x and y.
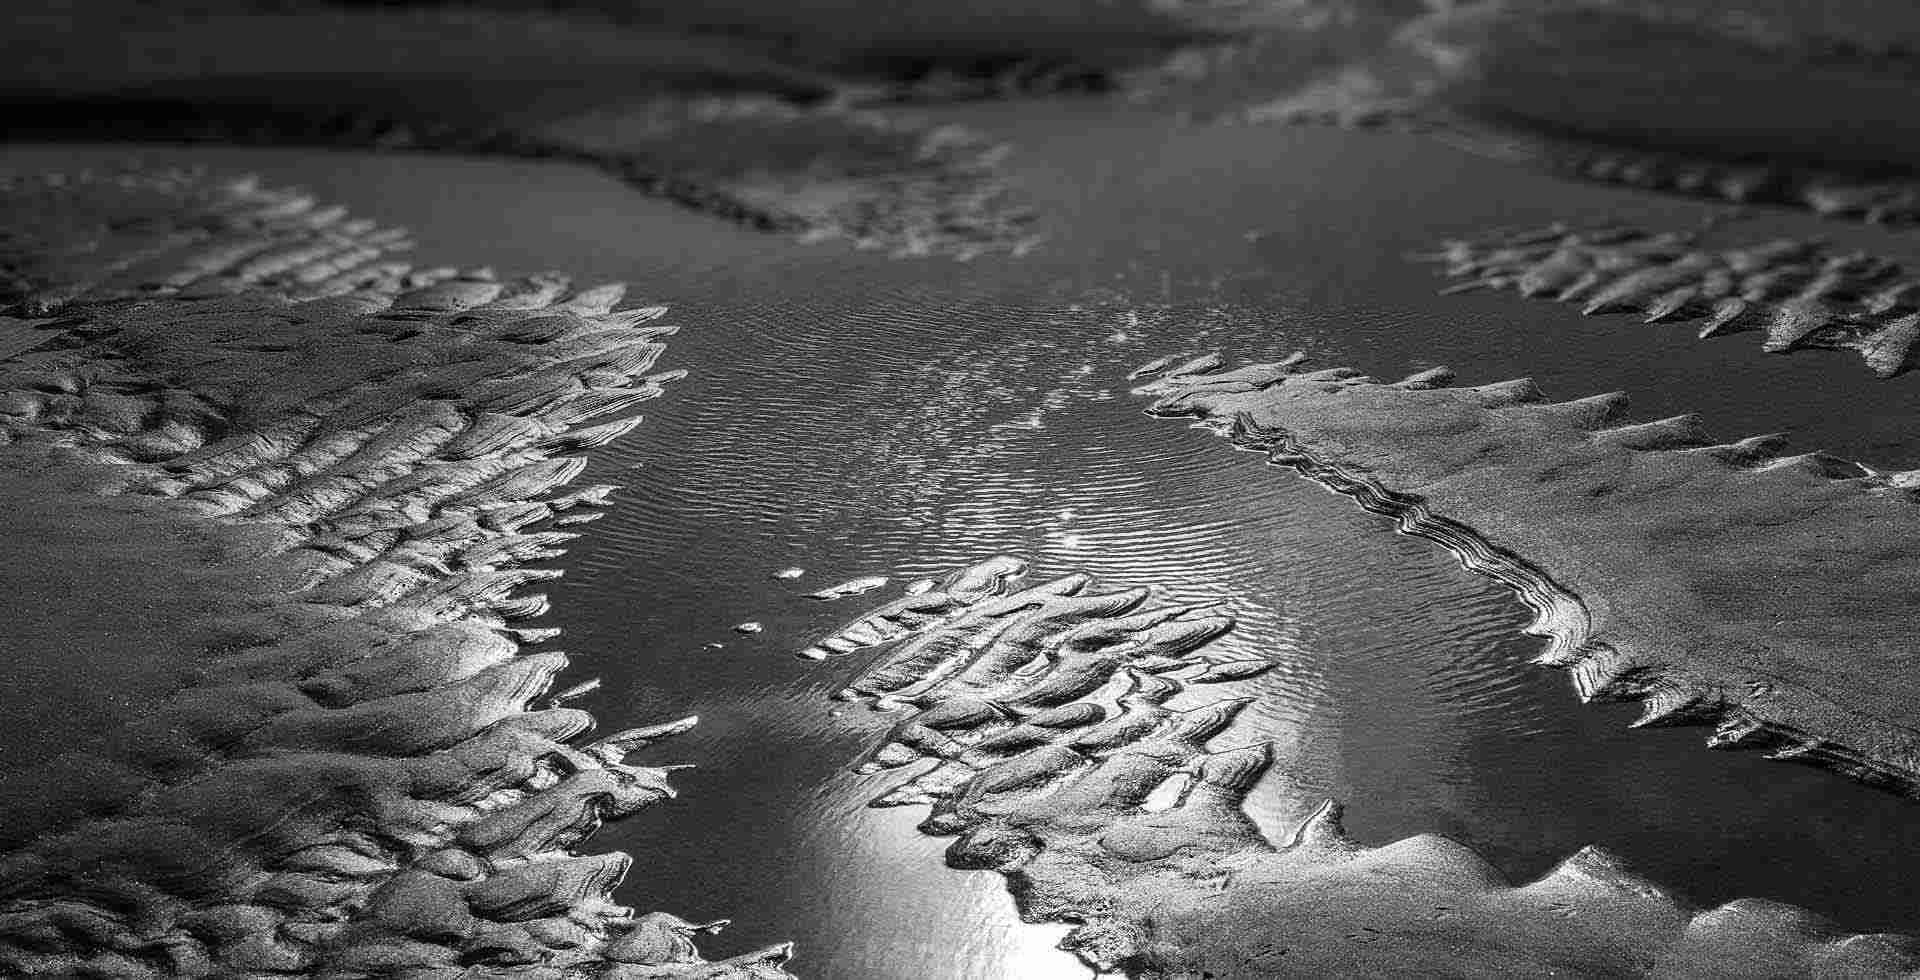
pixel 853 415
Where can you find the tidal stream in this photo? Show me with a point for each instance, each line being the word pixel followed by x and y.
pixel 855 415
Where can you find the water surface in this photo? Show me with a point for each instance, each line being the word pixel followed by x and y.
pixel 853 415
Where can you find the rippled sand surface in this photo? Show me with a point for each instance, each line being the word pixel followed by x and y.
pixel 855 416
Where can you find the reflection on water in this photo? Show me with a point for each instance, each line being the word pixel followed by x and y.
pixel 854 416
pixel 1402 683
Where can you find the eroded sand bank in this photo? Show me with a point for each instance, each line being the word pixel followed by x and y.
pixel 1799 293
pixel 480 279
pixel 1056 761
pixel 339 762
pixel 1723 583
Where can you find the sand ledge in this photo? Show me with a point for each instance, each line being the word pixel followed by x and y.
pixel 1721 581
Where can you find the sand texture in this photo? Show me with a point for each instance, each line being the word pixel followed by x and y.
pixel 284 491
pixel 728 125
pixel 1036 722
pixel 1798 293
pixel 1798 105
pixel 1721 583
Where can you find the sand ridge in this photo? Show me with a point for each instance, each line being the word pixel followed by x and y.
pixel 1721 583
pixel 343 769
pixel 1800 293
pixel 1036 724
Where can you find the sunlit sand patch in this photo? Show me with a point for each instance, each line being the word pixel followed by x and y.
pixel 344 770
pixel 1036 726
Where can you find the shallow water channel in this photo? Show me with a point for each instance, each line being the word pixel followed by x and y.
pixel 854 415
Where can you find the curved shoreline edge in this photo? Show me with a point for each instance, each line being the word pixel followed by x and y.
pixel 1034 725
pixel 351 767
pixel 1558 615
pixel 1693 549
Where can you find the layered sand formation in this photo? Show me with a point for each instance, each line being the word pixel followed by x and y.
pixel 1722 583
pixel 325 470
pixel 1038 718
pixel 1799 293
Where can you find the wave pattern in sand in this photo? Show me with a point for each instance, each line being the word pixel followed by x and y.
pixel 1039 717
pixel 1801 293
pixel 354 778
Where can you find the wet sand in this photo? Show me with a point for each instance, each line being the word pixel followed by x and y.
pixel 327 467
pixel 1058 756
pixel 1734 102
pixel 1295 275
pixel 103 600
